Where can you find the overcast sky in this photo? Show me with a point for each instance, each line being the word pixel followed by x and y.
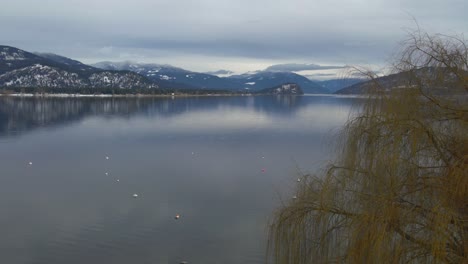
pixel 239 35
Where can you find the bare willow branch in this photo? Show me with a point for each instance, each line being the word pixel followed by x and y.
pixel 398 190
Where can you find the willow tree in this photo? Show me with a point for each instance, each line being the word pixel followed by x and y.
pixel 398 191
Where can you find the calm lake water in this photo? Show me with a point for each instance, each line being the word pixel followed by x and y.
pixel 223 163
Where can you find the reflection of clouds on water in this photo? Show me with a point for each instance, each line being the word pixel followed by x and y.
pixel 19 115
pixel 325 116
pixel 231 119
pixel 64 209
pixel 218 120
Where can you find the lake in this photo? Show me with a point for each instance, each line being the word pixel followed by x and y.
pixel 70 168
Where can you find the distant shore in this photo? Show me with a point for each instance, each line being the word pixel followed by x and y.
pixel 74 95
pixel 66 95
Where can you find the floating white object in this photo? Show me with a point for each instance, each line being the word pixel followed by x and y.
pixel 30 163
pixel 298 180
pixel 294 197
pixel 118 180
pixel 184 262
pixel 107 157
pixel 135 195
pixel 177 216
pixel 107 173
pixel 193 153
pixel 263 157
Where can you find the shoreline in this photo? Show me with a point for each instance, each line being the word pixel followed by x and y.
pixel 66 95
pixel 179 95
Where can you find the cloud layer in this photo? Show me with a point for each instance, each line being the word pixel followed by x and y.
pixel 207 34
pixel 296 67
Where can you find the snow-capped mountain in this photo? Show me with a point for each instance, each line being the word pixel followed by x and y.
pixel 13 59
pixel 39 75
pixel 171 74
pixel 252 81
pixel 19 68
pixel 141 68
pixel 65 61
pixel 266 79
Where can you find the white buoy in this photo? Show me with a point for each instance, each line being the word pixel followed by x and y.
pixel 107 157
pixel 177 216
pixel 263 157
pixel 135 195
pixel 107 173
pixel 294 197
pixel 118 180
pixel 30 163
pixel 298 180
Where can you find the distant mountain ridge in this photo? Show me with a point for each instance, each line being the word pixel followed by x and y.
pixel 423 78
pixel 266 79
pixel 338 84
pixel 250 81
pixel 19 68
pixel 171 75
pixel 12 59
pixel 385 82
pixel 65 60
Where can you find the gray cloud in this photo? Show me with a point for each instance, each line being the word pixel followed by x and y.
pixel 242 31
pixel 295 67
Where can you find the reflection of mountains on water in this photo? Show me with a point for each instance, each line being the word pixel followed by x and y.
pixel 22 114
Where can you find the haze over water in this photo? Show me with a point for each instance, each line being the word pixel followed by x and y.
pixel 223 163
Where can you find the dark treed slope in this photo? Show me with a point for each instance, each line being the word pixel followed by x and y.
pixel 404 80
pixel 338 84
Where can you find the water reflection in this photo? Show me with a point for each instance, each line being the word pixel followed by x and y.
pixel 201 158
pixel 19 115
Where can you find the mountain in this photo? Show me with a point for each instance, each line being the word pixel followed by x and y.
pixel 170 75
pixel 436 80
pixel 12 59
pixel 384 82
pixel 221 73
pixel 266 79
pixel 142 68
pixel 19 68
pixel 65 61
pixel 334 85
pixel 284 89
pixel 188 79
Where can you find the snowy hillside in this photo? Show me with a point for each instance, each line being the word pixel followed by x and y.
pixel 19 68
